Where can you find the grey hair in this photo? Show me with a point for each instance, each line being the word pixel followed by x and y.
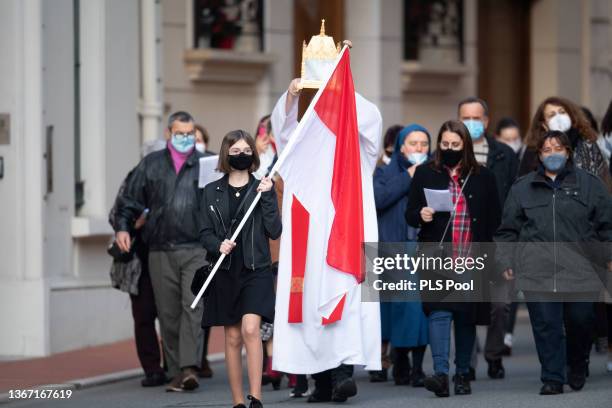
pixel 474 99
pixel 181 116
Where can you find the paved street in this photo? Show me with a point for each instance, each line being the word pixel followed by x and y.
pixel 519 389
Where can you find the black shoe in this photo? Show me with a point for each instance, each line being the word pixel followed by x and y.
pixel 507 351
pixel 378 376
pixel 240 406
pixel 417 378
pixel 154 380
pixel 255 403
pixel 496 370
pixel 462 384
pixel 438 384
pixel 301 387
pixel 472 376
pixel 344 390
pixel 551 388
pixel 576 379
pixel 319 396
pixel 401 366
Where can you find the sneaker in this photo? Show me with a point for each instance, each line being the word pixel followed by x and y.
pixel 189 381
pixel 154 379
pixel 438 384
pixel 175 384
pixel 609 367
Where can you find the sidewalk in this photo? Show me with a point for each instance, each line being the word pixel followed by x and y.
pixel 115 358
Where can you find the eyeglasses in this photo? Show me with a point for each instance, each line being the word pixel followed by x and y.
pixel 180 135
pixel 236 151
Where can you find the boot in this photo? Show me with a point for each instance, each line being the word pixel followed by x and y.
pixel 438 384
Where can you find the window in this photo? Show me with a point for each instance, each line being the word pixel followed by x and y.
pixel 433 31
pixel 229 24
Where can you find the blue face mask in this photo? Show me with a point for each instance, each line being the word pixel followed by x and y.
pixel 555 162
pixel 417 158
pixel 183 142
pixel 475 127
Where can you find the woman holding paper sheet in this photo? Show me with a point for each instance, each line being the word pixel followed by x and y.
pixel 475 218
pixel 241 294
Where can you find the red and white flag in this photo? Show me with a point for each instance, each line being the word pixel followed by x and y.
pixel 326 162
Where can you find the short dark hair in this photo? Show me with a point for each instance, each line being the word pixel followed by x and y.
pixel 505 123
pixel 391 136
pixel 180 116
pixel 469 163
pixel 205 135
pixel 474 99
pixel 228 141
pixel 561 137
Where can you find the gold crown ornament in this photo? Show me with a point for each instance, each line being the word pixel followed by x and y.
pixel 318 58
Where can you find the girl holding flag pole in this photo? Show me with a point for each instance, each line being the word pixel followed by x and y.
pixel 242 293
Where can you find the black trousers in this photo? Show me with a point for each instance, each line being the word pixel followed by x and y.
pixel 326 380
pixel 562 332
pixel 144 313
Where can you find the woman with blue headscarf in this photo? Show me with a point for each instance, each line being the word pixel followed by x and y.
pixel 403 324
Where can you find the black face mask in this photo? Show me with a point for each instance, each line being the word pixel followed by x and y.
pixel 241 161
pixel 451 157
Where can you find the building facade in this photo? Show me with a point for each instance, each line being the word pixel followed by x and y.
pixel 85 87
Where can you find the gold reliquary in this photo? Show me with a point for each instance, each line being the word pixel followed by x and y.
pixel 318 58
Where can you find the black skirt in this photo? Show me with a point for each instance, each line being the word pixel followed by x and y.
pixel 228 298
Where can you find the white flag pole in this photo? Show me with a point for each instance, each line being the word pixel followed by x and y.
pixel 279 162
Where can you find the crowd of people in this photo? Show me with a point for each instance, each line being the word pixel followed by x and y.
pixel 549 185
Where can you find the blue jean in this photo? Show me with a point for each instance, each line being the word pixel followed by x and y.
pixel 439 341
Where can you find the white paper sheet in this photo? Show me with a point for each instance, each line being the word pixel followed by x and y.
pixel 208 174
pixel 439 200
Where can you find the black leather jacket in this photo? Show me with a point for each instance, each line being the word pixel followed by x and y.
pixel 263 224
pixel 174 220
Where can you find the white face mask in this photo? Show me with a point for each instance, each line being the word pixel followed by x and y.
pixel 386 159
pixel 560 122
pixel 200 147
pixel 515 145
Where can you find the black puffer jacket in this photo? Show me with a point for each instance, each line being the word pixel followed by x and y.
pixel 555 236
pixel 263 224
pixel 174 219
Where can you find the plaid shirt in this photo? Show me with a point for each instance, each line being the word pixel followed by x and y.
pixel 462 229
